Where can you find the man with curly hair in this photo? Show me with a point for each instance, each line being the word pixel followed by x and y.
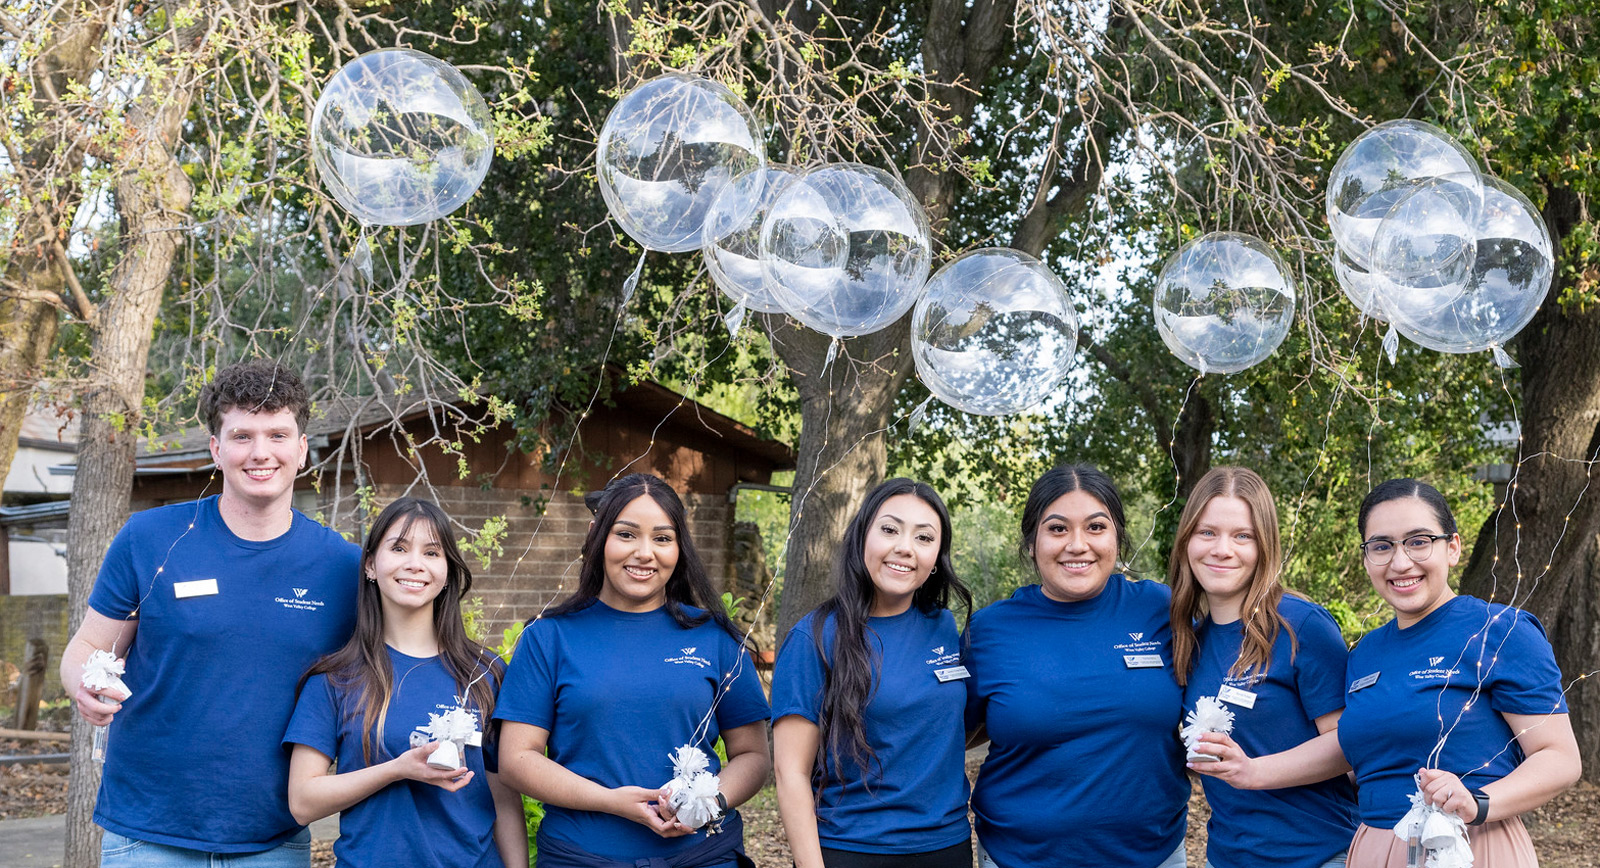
pixel 218 606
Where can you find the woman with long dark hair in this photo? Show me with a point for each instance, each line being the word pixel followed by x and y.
pixel 1275 660
pixel 868 698
pixel 606 686
pixel 408 661
pixel 1457 693
pixel 1072 680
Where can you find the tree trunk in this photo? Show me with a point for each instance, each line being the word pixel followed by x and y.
pixel 152 197
pixel 1539 550
pixel 37 282
pixel 844 411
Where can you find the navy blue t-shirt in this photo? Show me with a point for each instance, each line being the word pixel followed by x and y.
pixel 1456 671
pixel 618 693
pixel 407 822
pixel 195 759
pixel 914 797
pixel 1082 713
pixel 1294 827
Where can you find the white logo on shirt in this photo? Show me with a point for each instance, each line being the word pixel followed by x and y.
pixel 1434 671
pixel 939 650
pixel 299 601
pixel 942 659
pixel 689 658
pixel 1139 645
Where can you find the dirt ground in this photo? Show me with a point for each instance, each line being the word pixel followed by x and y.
pixel 1566 832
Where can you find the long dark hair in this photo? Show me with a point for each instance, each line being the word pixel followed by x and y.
pixel 848 683
pixel 1259 615
pixel 361 668
pixel 689 584
pixel 1059 482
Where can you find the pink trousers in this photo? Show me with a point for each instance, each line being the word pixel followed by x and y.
pixel 1501 844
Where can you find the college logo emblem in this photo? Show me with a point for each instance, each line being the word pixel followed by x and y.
pixel 689 650
pixel 939 650
pixel 1435 661
pixel 299 592
pixel 1135 636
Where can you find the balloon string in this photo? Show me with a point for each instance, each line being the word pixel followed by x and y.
pixel 1177 472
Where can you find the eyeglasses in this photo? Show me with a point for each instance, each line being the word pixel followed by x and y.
pixel 1379 552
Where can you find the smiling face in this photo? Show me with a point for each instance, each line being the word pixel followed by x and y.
pixel 641 553
pixel 259 455
pixel 1415 589
pixel 1223 551
pixel 1075 549
pixel 901 550
pixel 409 566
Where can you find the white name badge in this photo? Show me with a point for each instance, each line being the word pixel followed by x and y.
pixel 1364 682
pixel 475 740
pixel 1235 696
pixel 1142 661
pixel 953 673
pixel 196 588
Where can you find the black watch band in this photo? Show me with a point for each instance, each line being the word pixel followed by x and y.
pixel 1482 798
pixel 722 801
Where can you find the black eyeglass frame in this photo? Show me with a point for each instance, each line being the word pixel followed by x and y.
pixel 1432 538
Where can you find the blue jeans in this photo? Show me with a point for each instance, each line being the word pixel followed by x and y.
pixel 1178 859
pixel 118 851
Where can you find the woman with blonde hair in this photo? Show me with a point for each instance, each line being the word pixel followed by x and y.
pixel 1275 660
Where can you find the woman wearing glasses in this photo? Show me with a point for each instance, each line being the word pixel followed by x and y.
pixel 1458 693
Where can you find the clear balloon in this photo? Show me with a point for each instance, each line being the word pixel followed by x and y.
pixel 1224 302
pixel 401 138
pixel 668 150
pixel 1380 168
pixel 732 237
pixel 1427 236
pixel 1511 272
pixel 845 249
pixel 994 332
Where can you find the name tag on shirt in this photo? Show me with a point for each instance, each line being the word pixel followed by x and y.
pixel 953 673
pixel 196 588
pixel 1364 682
pixel 1235 696
pixel 1142 661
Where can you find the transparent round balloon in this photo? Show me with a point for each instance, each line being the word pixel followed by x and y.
pixel 1428 235
pixel 1380 167
pixel 401 138
pixel 667 150
pixel 731 239
pixel 1224 302
pixel 845 249
pixel 1511 273
pixel 994 332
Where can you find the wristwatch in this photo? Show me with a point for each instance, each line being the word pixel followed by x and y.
pixel 1482 798
pixel 722 802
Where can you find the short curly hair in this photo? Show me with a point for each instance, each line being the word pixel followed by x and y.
pixel 259 384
